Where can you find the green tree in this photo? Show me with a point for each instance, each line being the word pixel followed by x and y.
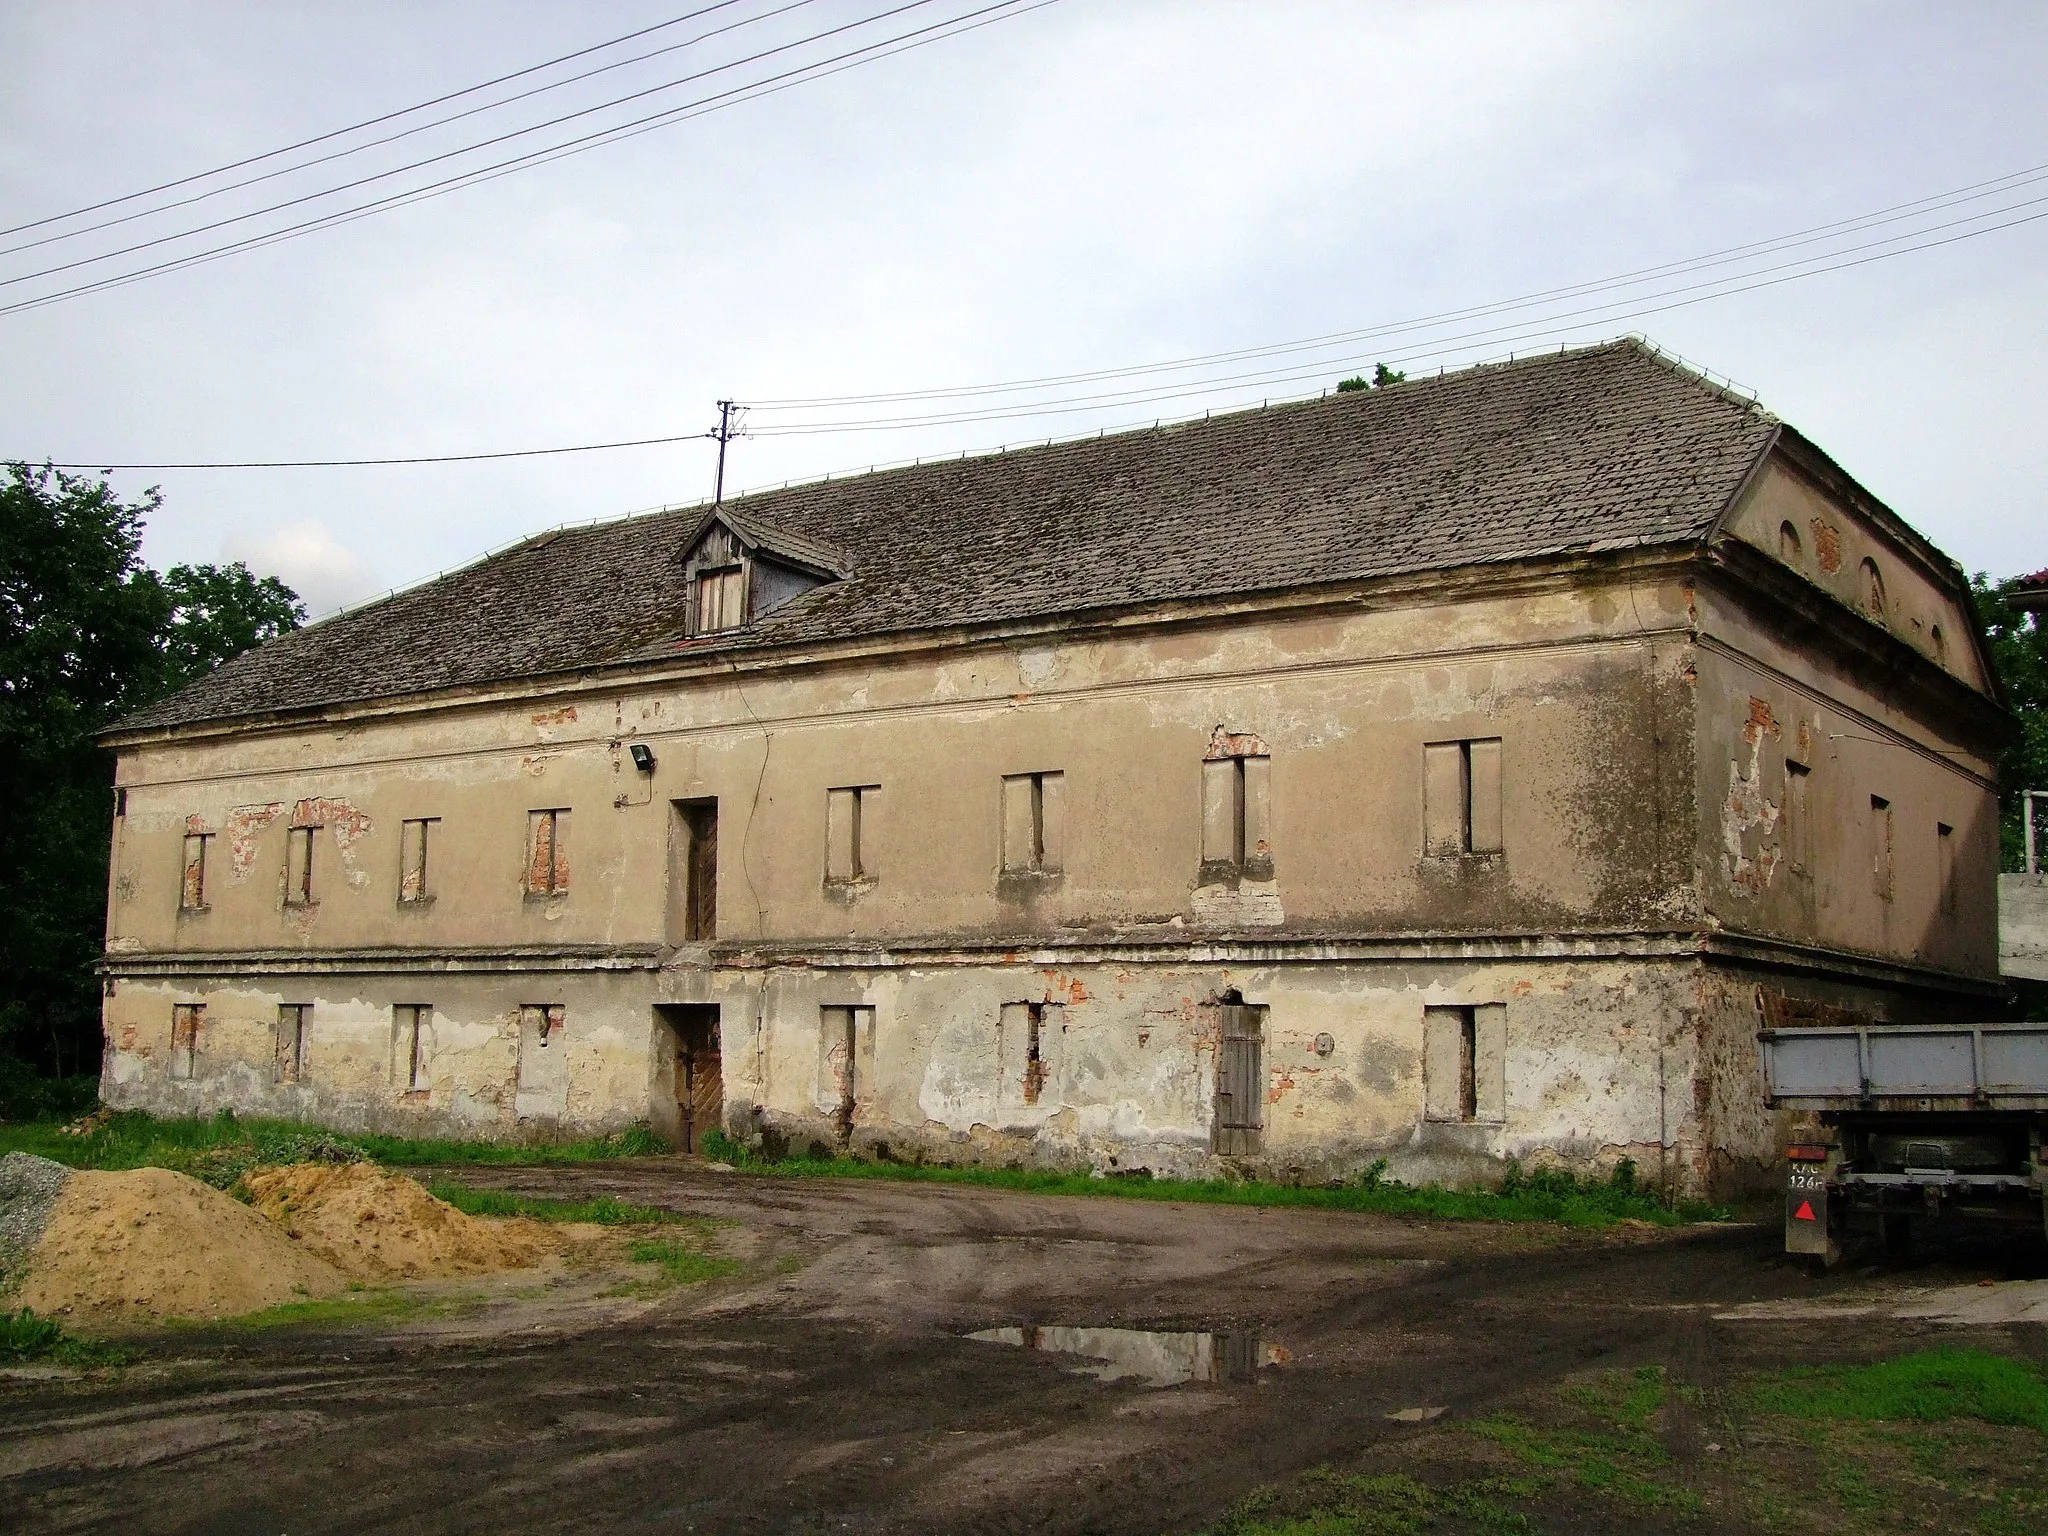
pixel 87 633
pixel 2019 650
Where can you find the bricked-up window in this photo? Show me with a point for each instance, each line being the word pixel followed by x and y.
pixel 1464 1063
pixel 1461 797
pixel 411 1036
pixel 846 1063
pixel 298 866
pixel 192 891
pixel 547 852
pixel 1881 847
pixel 848 856
pixel 1945 865
pixel 1027 1045
pixel 1796 827
pixel 187 1020
pixel 1237 803
pixel 293 1020
pixel 413 869
pixel 1034 831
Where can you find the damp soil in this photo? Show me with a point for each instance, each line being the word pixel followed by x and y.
pixel 831 1385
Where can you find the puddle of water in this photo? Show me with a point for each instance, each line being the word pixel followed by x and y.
pixel 1154 1358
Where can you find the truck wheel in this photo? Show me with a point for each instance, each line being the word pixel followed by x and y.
pixel 1896 1229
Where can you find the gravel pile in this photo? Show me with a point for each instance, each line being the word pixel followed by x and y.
pixel 29 1187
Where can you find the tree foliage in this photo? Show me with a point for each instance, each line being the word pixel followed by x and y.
pixel 87 633
pixel 2019 650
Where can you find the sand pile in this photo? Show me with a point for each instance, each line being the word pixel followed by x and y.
pixel 373 1224
pixel 138 1247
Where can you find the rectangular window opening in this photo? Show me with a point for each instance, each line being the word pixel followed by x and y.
pixel 1881 847
pixel 547 852
pixel 1945 865
pixel 721 599
pixel 847 856
pixel 413 839
pixel 192 892
pixel 1797 827
pixel 298 866
pixel 292 1022
pixel 187 1019
pixel 1464 1063
pixel 1236 813
pixel 692 871
pixel 1461 797
pixel 1032 831
pixel 412 1038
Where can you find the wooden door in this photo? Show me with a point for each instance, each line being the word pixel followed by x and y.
pixel 702 920
pixel 700 1073
pixel 1240 1080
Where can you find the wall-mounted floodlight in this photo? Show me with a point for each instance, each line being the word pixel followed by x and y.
pixel 643 756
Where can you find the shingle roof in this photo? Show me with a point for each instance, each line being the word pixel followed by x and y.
pixel 1599 448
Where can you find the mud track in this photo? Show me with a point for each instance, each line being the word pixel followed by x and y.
pixel 829 1388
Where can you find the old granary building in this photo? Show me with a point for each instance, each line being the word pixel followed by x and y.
pixel 1448 772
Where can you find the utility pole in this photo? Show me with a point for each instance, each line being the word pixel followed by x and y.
pixel 725 434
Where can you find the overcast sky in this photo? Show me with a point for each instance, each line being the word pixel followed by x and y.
pixel 1094 184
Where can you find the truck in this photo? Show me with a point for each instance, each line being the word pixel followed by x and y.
pixel 1909 1123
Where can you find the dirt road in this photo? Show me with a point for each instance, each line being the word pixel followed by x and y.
pixel 830 1385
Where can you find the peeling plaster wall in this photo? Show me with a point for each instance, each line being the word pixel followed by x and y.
pixel 356 1073
pixel 1604 1061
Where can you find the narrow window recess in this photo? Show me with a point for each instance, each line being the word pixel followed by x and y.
pixel 846 1064
pixel 1237 810
pixel 192 890
pixel 692 871
pixel 298 866
pixel 187 1020
pixel 1945 865
pixel 1027 1050
pixel 1240 1078
pixel 1881 847
pixel 547 852
pixel 849 860
pixel 412 1038
pixel 1461 798
pixel 293 1020
pixel 1790 548
pixel 1873 590
pixel 414 870
pixel 1464 1063
pixel 1034 823
pixel 1796 827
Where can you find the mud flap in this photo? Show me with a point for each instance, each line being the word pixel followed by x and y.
pixel 1806 1211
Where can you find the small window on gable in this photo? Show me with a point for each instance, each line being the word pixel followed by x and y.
pixel 1790 550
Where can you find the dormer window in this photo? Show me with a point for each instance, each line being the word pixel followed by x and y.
pixel 721 599
pixel 738 570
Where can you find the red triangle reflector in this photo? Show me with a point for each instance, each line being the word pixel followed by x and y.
pixel 1805 1212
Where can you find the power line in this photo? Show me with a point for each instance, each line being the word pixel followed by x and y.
pixel 1934 202
pixel 1547 328
pixel 553 122
pixel 418 128
pixel 371 122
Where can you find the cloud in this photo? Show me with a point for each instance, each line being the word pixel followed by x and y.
pixel 309 559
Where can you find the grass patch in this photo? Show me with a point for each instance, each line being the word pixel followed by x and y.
pixel 1328 1503
pixel 682 1264
pixel 604 1210
pixel 1545 1195
pixel 27 1339
pixel 1620 1458
pixel 1930 1387
pixel 221 1148
pixel 365 1306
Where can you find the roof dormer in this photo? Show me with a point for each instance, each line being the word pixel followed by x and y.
pixel 738 570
